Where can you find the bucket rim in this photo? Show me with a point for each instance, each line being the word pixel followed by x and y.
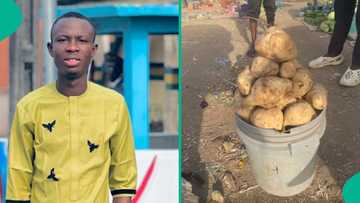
pixel 271 134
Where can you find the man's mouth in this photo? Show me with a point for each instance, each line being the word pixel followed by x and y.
pixel 72 62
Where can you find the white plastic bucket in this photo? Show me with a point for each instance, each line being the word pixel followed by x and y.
pixel 283 163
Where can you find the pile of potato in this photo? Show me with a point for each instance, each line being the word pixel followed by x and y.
pixel 278 92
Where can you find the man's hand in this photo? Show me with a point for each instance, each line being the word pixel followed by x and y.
pixel 122 200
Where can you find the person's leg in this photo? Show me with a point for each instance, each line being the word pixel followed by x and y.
pixel 253 30
pixel 351 77
pixel 270 9
pixel 356 53
pixel 344 12
pixel 253 12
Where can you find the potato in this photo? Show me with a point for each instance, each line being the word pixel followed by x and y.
pixel 245 111
pixel 245 80
pixel 286 100
pixel 262 66
pixel 217 197
pixel 317 97
pixel 276 45
pixel 288 68
pixel 268 91
pixel 302 82
pixel 298 113
pixel 267 118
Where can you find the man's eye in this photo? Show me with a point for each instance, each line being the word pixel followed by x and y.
pixel 61 40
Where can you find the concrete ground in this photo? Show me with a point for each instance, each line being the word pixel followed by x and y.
pixel 213 53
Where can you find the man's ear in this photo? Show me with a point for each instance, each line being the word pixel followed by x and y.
pixel 50 49
pixel 94 48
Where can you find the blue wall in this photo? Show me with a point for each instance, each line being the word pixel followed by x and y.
pixel 3 165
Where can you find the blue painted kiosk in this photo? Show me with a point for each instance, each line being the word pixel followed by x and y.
pixel 3 168
pixel 135 22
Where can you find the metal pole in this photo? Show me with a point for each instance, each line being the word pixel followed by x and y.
pixel 48 10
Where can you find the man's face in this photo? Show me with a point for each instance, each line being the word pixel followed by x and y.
pixel 72 47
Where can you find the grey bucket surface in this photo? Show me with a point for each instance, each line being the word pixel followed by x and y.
pixel 283 163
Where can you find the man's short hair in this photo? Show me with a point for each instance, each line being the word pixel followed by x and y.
pixel 72 15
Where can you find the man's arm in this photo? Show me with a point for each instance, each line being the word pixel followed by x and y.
pixel 123 171
pixel 122 200
pixel 20 161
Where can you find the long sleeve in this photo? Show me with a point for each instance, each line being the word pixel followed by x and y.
pixel 123 172
pixel 20 160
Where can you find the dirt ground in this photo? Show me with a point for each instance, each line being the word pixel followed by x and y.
pixel 214 158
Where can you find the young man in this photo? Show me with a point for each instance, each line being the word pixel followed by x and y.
pixel 254 12
pixel 71 141
pixel 344 12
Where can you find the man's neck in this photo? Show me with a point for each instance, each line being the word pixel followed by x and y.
pixel 74 87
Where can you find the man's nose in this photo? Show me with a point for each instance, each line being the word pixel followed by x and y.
pixel 72 46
